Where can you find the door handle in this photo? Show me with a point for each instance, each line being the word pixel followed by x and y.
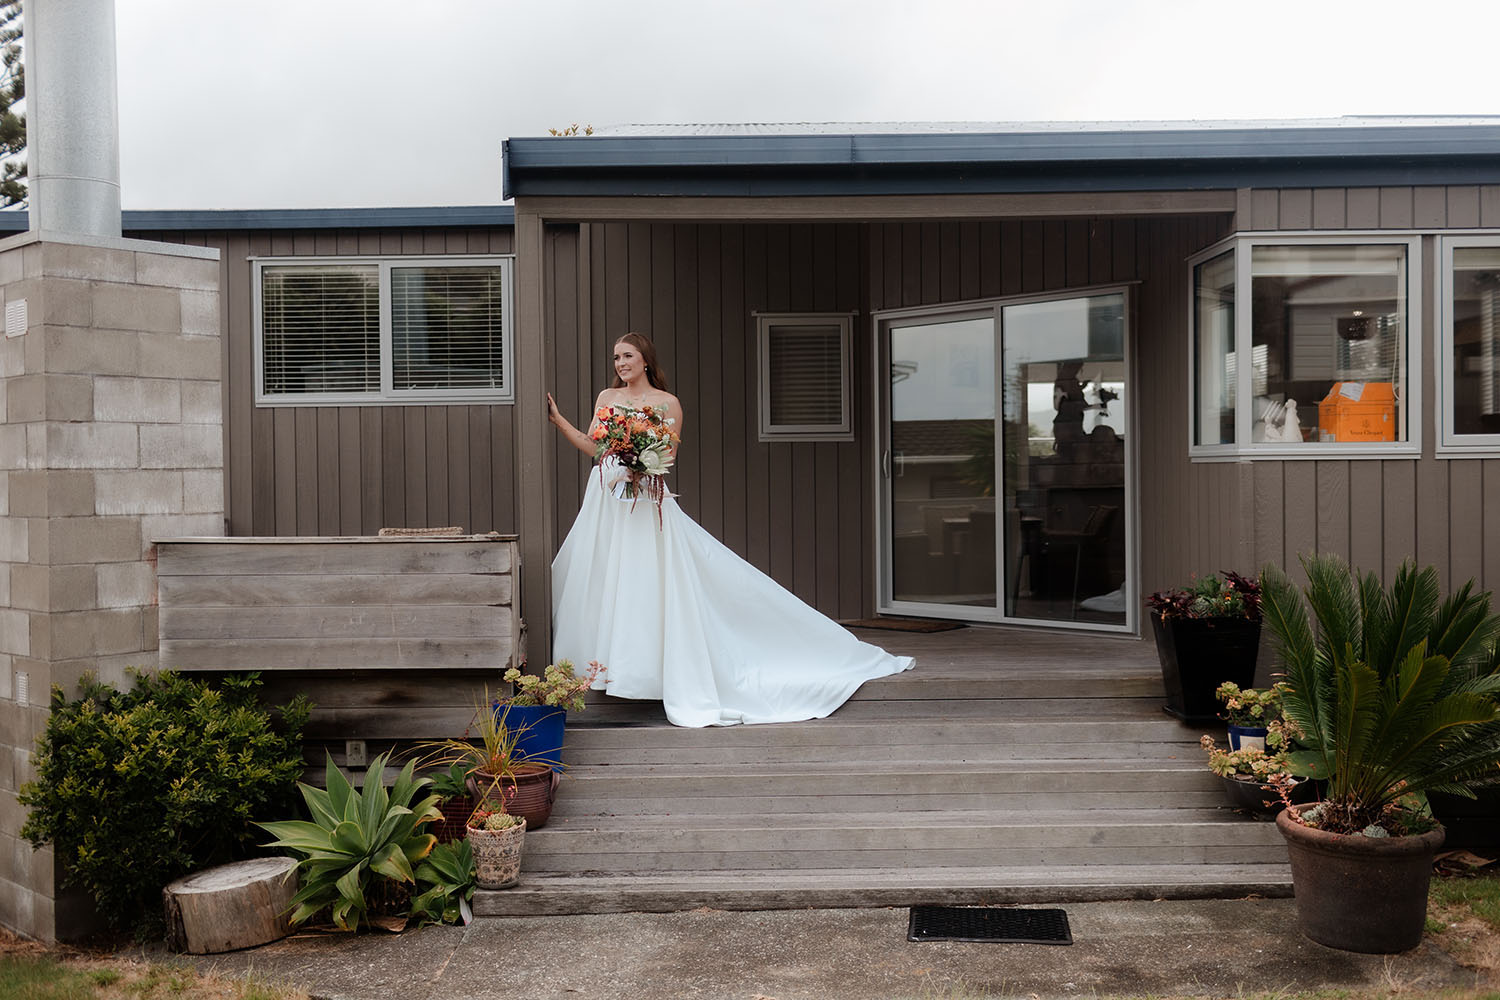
pixel 885 464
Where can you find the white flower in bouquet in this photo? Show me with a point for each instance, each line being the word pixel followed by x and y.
pixel 656 460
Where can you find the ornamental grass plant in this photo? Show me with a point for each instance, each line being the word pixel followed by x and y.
pixel 1391 691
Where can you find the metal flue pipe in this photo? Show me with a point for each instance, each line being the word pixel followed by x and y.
pixel 72 117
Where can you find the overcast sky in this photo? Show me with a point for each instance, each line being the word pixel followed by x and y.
pixel 340 103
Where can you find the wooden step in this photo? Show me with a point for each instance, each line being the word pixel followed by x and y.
pixel 545 893
pixel 951 838
pixel 862 786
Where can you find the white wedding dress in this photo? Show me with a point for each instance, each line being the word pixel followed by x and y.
pixel 675 616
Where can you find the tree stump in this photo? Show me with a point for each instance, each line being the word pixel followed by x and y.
pixel 232 906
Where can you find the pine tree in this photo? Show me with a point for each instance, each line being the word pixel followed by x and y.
pixel 12 91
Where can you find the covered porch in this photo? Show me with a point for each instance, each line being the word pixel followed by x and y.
pixel 912 510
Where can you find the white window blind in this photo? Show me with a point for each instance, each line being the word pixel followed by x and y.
pixel 356 331
pixel 320 329
pixel 805 377
pixel 447 327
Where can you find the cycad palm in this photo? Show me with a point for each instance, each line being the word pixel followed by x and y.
pixel 1396 690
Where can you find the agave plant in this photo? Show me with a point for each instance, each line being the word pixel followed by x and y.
pixel 449 873
pixel 354 836
pixel 1394 694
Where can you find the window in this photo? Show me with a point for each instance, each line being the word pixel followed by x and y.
pixel 1471 342
pixel 397 330
pixel 1317 358
pixel 804 377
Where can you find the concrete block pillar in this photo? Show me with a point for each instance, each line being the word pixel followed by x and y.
pixel 112 436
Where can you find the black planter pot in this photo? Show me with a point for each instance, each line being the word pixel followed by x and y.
pixel 1471 823
pixel 1199 654
pixel 1252 796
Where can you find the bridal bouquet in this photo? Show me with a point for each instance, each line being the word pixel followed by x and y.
pixel 641 441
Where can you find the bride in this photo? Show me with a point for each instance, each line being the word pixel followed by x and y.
pixel 671 612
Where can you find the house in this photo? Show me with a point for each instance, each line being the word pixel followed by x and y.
pixel 1009 374
pixel 983 372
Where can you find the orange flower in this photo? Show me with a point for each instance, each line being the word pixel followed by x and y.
pixel 599 433
pixel 602 414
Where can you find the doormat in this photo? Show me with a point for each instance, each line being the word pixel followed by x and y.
pixel 903 624
pixel 1003 925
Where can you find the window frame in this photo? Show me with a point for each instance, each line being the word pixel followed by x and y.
pixel 387 394
pixel 844 431
pixel 1243 245
pixel 1450 442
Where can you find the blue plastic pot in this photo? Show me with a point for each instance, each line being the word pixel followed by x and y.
pixel 1239 735
pixel 541 732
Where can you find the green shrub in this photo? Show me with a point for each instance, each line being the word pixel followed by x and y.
pixel 137 788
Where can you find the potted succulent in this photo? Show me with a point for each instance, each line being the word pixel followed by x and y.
pixel 539 705
pixel 494 765
pixel 1394 694
pixel 1206 633
pixel 497 838
pixel 1253 778
pixel 1249 713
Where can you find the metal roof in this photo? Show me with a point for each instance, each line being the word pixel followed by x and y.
pixel 298 218
pixel 913 158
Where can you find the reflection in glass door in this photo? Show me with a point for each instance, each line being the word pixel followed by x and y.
pixel 1038 528
pixel 941 461
pixel 1065 399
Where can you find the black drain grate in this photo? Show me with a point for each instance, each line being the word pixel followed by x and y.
pixel 986 923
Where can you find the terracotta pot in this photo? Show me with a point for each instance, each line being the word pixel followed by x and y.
pixel 535 788
pixel 453 826
pixel 497 856
pixel 1359 893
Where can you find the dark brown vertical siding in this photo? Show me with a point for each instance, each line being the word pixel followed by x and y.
pixel 351 470
pixel 1379 512
pixel 794 509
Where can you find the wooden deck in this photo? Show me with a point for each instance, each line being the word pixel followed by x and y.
pixel 1008 766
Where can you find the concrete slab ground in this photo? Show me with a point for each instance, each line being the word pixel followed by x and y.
pixel 1164 948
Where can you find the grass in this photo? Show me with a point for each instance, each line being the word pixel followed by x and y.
pixel 32 974
pixel 1479 895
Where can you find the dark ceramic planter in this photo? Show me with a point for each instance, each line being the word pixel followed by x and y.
pixel 1471 823
pixel 1261 799
pixel 1199 654
pixel 453 826
pixel 1359 893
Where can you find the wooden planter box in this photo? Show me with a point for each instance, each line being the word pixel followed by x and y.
pixel 392 638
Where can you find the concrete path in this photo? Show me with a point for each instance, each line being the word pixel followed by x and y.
pixel 1163 948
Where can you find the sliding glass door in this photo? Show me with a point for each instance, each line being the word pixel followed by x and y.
pixel 1005 483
